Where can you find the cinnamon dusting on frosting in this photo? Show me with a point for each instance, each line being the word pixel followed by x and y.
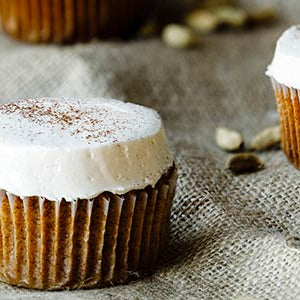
pixel 80 119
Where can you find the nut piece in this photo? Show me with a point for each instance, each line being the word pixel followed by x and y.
pixel 263 15
pixel 293 242
pixel 228 139
pixel 202 21
pixel 214 3
pixel 149 29
pixel 231 16
pixel 244 163
pixel 179 36
pixel 268 138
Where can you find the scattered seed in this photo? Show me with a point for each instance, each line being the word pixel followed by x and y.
pixel 244 163
pixel 268 138
pixel 214 3
pixel 228 139
pixel 231 16
pixel 149 29
pixel 263 15
pixel 202 21
pixel 293 242
pixel 179 36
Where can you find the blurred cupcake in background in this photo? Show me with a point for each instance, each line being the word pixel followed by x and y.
pixel 67 21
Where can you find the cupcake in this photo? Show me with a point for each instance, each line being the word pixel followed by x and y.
pixel 284 72
pixel 86 192
pixel 66 21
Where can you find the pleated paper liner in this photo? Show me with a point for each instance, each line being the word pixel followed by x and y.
pixel 88 243
pixel 289 113
pixel 66 21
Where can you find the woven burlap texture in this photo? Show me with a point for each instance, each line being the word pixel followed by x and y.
pixel 228 233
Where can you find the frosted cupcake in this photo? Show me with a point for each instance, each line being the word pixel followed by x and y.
pixel 86 192
pixel 284 72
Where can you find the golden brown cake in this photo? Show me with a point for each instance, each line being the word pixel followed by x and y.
pixel 66 21
pixel 86 193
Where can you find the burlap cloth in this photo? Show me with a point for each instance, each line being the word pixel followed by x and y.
pixel 228 233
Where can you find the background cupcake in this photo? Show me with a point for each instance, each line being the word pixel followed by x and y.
pixel 65 21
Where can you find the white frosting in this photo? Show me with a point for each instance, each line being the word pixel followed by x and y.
pixel 71 149
pixel 285 67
